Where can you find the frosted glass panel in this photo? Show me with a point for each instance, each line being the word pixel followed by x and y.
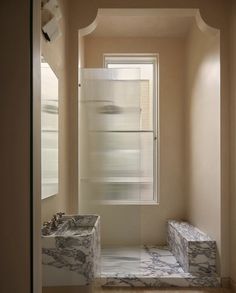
pixel 115 151
pixel 116 154
pixel 111 115
pixel 109 156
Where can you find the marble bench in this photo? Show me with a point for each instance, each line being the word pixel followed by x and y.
pixel 193 249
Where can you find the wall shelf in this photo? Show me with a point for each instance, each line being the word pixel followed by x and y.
pixel 119 180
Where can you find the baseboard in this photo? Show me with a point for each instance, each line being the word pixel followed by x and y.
pixel 233 285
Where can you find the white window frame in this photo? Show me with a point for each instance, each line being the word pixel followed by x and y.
pixel 109 58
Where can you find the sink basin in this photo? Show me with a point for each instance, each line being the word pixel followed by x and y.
pixel 71 253
pixel 75 231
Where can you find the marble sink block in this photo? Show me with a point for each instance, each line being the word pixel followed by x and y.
pixel 194 250
pixel 71 254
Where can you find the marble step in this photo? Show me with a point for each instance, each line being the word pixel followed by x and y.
pixel 148 266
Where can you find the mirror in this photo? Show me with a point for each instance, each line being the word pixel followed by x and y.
pixel 49 130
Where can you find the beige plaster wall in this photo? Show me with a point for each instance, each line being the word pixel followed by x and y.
pixel 149 222
pixel 55 54
pixel 203 157
pixel 233 145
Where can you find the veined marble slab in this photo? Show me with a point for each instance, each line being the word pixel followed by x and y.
pixel 71 255
pixel 194 250
pixel 148 266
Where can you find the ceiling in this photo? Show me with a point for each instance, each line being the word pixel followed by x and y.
pixel 143 22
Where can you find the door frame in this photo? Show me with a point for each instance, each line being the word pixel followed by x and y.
pixel 35 117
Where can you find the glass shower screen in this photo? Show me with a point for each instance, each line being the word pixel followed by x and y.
pixel 110 136
pixel 110 154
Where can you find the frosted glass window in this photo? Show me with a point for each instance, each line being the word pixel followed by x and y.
pixel 147 90
pixel 118 144
pixel 147 134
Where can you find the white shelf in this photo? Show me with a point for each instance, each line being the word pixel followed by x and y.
pixel 121 180
pixel 117 151
pixel 49 130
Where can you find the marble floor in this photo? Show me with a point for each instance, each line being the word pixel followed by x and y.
pixel 148 266
pixel 131 290
pixel 135 290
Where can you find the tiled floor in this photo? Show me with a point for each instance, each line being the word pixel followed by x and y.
pixel 147 266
